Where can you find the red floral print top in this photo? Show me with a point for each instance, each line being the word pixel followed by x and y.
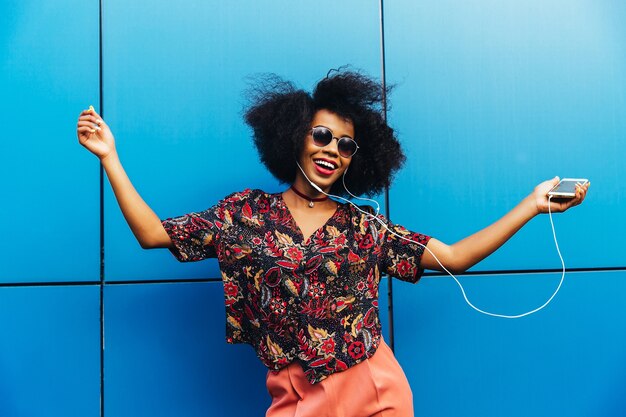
pixel 313 301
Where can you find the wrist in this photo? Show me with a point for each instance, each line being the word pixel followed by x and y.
pixel 110 159
pixel 531 208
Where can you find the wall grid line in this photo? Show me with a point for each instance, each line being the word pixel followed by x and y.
pixel 383 79
pixel 102 264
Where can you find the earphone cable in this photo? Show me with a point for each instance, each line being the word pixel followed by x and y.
pixel 382 223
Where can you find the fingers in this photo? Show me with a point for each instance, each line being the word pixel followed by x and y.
pixel 90 110
pixel 89 122
pixel 85 129
pixel 91 118
pixel 581 193
pixel 92 125
pixel 84 134
pixel 92 115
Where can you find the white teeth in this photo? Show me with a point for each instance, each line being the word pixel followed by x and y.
pixel 325 164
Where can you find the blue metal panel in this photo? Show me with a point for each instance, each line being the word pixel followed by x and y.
pixel 49 351
pixel 50 204
pixel 495 97
pixel 174 75
pixel 565 360
pixel 166 354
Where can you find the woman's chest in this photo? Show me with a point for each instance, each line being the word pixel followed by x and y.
pixel 339 258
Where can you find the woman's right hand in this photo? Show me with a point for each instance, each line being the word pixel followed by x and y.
pixel 94 134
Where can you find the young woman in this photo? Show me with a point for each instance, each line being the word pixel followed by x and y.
pixel 301 270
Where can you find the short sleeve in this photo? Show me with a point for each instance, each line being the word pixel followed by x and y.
pixel 194 236
pixel 401 257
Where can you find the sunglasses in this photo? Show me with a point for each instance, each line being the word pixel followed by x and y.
pixel 322 136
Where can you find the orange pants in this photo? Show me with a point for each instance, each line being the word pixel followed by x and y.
pixel 376 387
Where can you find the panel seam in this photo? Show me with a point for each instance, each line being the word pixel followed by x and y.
pixel 102 260
pixel 383 78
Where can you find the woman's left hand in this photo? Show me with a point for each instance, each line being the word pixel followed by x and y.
pixel 558 205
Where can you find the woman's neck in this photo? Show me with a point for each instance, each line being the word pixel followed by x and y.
pixel 303 186
pixel 311 198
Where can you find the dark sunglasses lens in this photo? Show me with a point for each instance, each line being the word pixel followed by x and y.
pixel 322 136
pixel 346 147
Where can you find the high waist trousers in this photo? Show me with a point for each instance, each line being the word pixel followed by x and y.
pixel 376 387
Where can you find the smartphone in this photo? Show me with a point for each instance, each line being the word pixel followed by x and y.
pixel 566 188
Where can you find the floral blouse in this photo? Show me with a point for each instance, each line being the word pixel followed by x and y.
pixel 314 301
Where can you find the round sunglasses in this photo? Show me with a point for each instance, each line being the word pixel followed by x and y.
pixel 322 136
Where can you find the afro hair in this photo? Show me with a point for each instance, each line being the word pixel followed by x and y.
pixel 280 116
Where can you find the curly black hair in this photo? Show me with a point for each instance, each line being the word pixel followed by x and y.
pixel 280 116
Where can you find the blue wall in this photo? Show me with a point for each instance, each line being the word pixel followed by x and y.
pixel 491 98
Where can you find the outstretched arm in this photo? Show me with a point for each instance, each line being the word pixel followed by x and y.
pixel 96 136
pixel 473 249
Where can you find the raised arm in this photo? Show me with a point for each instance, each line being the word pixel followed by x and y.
pixel 473 249
pixel 94 134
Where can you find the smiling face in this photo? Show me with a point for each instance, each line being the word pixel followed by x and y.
pixel 323 165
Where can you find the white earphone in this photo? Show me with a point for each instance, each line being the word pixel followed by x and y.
pixel 382 223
